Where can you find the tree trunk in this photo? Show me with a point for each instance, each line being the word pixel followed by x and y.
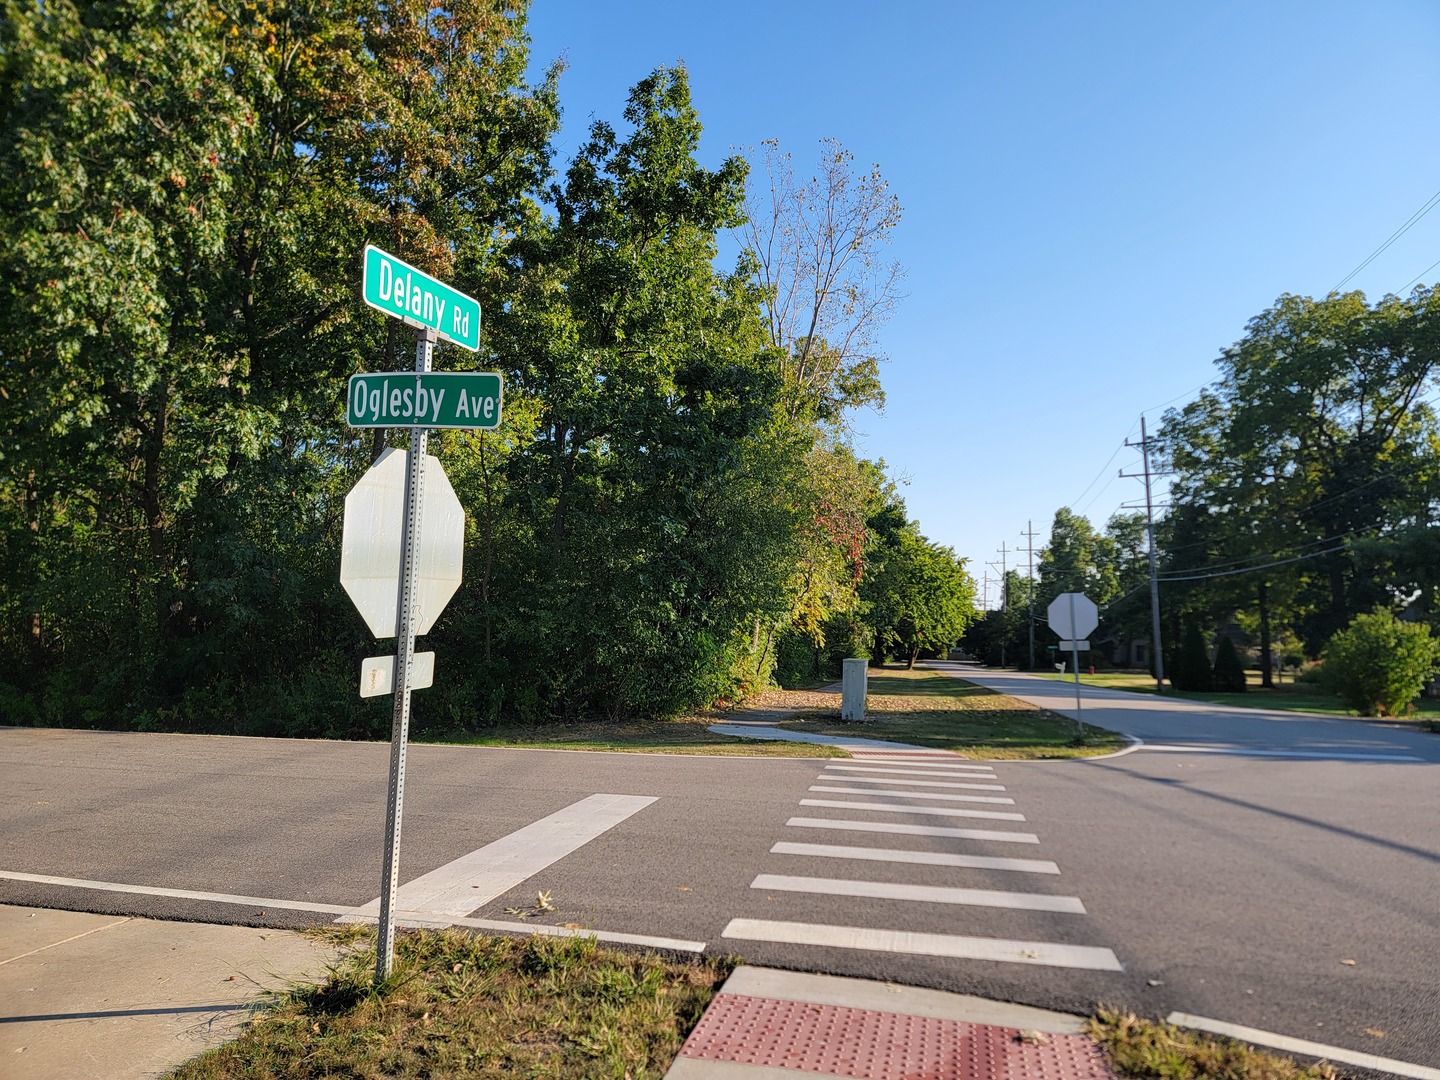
pixel 150 505
pixel 1266 660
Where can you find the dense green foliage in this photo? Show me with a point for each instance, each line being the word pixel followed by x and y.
pixel 185 191
pixel 1305 492
pixel 1228 674
pixel 1189 666
pixel 1378 664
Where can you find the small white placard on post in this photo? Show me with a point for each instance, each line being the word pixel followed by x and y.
pixel 1082 646
pixel 852 689
pixel 377 674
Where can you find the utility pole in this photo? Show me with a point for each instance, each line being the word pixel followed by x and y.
pixel 1004 598
pixel 1157 656
pixel 1030 537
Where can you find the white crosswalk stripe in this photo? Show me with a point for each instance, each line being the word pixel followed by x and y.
pixel 987 774
pixel 922 858
pixel 848 779
pixel 895 828
pixel 931 894
pixel 938 811
pixel 944 796
pixel 1044 953
pixel 895 784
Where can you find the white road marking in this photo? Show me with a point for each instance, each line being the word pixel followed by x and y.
pixel 1310 755
pixel 178 894
pixel 1303 1046
pixel 847 778
pixel 912 830
pixel 347 912
pixel 1042 953
pixel 1000 800
pixel 891 808
pixel 930 894
pixel 924 858
pixel 471 881
pixel 909 765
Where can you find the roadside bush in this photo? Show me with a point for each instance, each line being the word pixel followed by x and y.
pixel 1191 667
pixel 1379 664
pixel 1228 675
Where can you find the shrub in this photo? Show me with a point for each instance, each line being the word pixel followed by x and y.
pixel 1378 664
pixel 1228 676
pixel 1191 669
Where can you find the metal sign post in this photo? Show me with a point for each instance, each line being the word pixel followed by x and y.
pixel 404 669
pixel 1073 615
pixel 1075 659
pixel 426 562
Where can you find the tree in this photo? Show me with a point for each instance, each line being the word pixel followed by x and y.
pixel 1228 674
pixel 1190 667
pixel 921 597
pixel 1317 435
pixel 1378 665
pixel 179 322
pixel 815 250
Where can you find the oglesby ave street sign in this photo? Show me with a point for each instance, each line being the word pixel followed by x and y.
pixel 432 399
pixel 397 288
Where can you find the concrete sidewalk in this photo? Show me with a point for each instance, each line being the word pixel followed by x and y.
pixel 100 997
pixel 104 997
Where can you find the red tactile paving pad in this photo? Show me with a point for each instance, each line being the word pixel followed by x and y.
pixel 872 1045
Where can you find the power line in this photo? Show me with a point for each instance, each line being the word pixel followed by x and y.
pixel 1430 204
pixel 1252 569
pixel 1420 275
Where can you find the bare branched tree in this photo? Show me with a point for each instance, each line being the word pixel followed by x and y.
pixel 816 246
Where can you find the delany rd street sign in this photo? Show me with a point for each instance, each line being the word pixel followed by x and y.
pixel 397 288
pixel 437 399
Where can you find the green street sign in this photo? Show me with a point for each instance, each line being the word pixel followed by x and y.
pixel 433 399
pixel 397 288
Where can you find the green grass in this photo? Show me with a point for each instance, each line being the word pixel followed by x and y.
pixel 1290 697
pixel 460 1004
pixel 684 735
pixel 1158 1051
pixel 931 709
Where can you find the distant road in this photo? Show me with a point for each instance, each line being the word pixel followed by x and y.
pixel 1178 722
pixel 1223 886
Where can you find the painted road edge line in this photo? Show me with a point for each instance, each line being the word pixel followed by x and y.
pixel 178 894
pixel 415 918
pixel 1303 1046
pixel 1038 953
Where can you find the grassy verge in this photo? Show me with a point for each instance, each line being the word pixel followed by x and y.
pixel 684 735
pixel 1158 1051
pixel 460 1004
pixel 1290 697
pixel 931 709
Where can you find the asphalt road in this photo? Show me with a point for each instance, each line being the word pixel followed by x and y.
pixel 1228 886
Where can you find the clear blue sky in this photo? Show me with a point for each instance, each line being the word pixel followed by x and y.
pixel 1097 197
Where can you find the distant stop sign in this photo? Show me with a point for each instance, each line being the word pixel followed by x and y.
pixel 1073 615
pixel 370 551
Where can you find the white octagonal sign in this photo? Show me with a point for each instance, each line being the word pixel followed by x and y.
pixel 1073 615
pixel 370 552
